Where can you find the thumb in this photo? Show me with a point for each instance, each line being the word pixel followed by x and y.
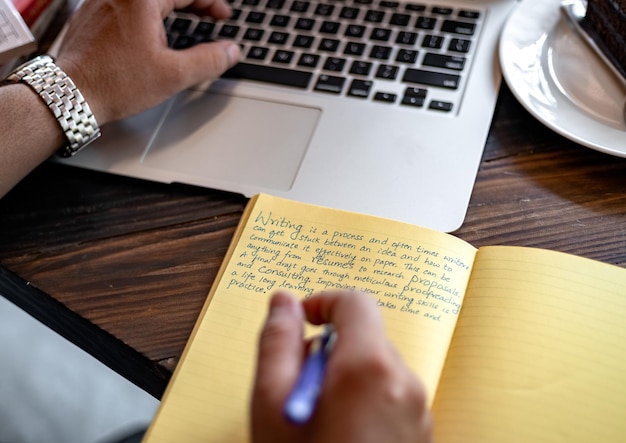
pixel 207 61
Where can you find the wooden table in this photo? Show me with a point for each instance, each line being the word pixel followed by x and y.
pixel 121 267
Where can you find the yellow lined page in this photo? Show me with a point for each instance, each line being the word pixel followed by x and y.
pixel 539 354
pixel 416 275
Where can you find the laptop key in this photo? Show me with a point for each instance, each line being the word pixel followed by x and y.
pixel 282 56
pixel 437 105
pixel 374 16
pixel 448 81
pixel 360 67
pixel 355 31
pixel 236 13
pixel 280 21
pixel 270 74
pixel 360 88
pixel 415 7
pixel 328 45
pixel 380 34
pixel 308 60
pixel 414 97
pixel 458 27
pixel 432 41
pixel 441 11
pixel 386 97
pixel 349 13
pixel 324 9
pixel 278 38
pixel 389 4
pixel 329 27
pixel 300 6
pixel 415 92
pixel 180 24
pixel 470 14
pixel 387 72
pixel 257 53
pixel 406 56
pixel 329 83
pixel 204 29
pixel 229 31
pixel 255 17
pixel 303 41
pixel 425 22
pixel 459 45
pixel 399 19
pixel 380 52
pixel 305 24
pixel 416 101
pixel 406 38
pixel 454 62
pixel 354 48
pixel 275 4
pixel 253 34
pixel 335 64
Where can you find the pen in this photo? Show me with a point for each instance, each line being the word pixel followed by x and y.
pixel 301 401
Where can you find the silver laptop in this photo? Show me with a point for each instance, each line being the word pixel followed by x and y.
pixel 375 106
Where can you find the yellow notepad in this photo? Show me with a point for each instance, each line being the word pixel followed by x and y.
pixel 513 344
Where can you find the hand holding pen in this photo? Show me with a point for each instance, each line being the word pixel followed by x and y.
pixel 367 393
pixel 302 400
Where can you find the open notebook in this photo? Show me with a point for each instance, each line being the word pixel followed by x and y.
pixel 513 344
pixel 376 106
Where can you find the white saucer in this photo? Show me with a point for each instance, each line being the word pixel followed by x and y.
pixel 560 80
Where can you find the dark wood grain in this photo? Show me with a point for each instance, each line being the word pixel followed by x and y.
pixel 536 188
pixel 134 260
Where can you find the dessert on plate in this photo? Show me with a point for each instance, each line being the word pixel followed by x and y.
pixel 605 22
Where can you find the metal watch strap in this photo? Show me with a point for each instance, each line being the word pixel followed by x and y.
pixel 63 98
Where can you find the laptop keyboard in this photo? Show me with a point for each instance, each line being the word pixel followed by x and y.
pixel 388 52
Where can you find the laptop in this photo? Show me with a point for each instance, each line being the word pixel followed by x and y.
pixel 375 106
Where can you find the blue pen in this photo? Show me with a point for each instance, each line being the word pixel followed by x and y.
pixel 301 402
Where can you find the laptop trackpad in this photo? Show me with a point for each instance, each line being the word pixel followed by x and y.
pixel 233 139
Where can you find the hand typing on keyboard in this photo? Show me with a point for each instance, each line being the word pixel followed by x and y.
pixel 388 51
pixel 117 54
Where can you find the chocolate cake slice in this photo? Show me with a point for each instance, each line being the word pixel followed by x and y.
pixel 605 22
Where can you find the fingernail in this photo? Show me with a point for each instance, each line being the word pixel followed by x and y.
pixel 283 304
pixel 234 54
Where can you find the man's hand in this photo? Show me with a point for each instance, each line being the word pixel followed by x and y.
pixel 369 394
pixel 116 53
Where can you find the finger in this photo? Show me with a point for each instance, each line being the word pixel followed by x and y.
pixel 206 61
pixel 218 9
pixel 352 313
pixel 280 351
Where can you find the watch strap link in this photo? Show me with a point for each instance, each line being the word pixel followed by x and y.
pixel 63 98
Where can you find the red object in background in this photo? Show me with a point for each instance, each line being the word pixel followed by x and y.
pixel 37 14
pixel 31 10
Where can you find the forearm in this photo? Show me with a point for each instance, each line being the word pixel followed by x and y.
pixel 30 134
pixel 118 73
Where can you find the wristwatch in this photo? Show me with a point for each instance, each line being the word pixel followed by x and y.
pixel 63 98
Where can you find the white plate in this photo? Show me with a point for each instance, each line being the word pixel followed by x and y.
pixel 560 80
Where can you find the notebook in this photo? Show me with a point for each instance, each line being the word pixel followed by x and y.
pixel 512 344
pixel 375 106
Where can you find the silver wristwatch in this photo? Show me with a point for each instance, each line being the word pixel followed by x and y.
pixel 63 98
